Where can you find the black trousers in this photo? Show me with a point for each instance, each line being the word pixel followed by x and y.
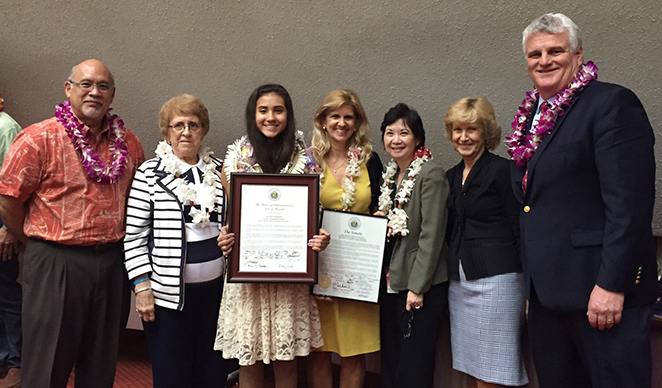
pixel 181 343
pixel 409 338
pixel 569 353
pixel 72 297
pixel 10 314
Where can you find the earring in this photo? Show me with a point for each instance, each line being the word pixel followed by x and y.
pixel 324 127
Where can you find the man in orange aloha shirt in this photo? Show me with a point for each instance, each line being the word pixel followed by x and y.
pixel 63 189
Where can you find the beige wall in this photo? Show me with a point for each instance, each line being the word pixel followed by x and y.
pixel 424 53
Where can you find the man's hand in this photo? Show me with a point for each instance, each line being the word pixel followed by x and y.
pixel 8 245
pixel 605 308
pixel 12 211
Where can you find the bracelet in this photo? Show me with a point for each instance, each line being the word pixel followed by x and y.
pixel 143 289
pixel 146 278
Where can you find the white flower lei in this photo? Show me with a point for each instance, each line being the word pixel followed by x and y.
pixel 203 193
pixel 239 158
pixel 353 170
pixel 397 216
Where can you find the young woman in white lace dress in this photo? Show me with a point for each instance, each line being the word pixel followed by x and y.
pixel 263 322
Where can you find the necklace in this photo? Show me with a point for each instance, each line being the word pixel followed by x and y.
pixel 89 159
pixel 203 193
pixel 521 147
pixel 397 216
pixel 335 169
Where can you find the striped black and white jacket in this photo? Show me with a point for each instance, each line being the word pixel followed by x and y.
pixel 155 239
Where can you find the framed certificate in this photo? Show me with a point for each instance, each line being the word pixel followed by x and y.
pixel 273 216
pixel 350 267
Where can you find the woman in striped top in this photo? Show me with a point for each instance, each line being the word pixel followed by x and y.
pixel 175 210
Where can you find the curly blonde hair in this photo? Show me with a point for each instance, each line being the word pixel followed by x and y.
pixel 361 138
pixel 474 110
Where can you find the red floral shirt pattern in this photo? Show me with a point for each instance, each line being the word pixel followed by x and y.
pixel 65 205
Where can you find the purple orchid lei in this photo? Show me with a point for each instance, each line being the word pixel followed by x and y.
pixel 89 159
pixel 521 147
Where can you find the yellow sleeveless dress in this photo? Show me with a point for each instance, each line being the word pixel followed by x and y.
pixel 349 327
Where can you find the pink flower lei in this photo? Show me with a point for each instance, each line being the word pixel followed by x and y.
pixel 89 159
pixel 521 147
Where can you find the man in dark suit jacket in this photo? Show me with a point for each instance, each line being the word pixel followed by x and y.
pixel 587 191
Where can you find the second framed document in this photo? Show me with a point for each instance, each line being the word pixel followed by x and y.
pixel 273 216
pixel 350 267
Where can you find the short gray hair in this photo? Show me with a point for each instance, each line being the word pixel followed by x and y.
pixel 554 23
pixel 71 74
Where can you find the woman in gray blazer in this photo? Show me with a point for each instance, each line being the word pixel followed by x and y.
pixel 413 197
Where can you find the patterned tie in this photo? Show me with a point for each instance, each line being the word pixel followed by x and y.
pixel 544 107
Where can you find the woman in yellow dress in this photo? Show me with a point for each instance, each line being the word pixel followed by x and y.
pixel 350 182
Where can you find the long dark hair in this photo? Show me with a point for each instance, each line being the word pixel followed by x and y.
pixel 272 155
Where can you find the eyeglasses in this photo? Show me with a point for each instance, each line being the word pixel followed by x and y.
pixel 102 87
pixel 179 127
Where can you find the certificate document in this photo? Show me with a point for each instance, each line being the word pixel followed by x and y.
pixel 272 217
pixel 273 229
pixel 350 267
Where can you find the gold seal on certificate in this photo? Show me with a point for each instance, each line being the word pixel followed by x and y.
pixel 324 282
pixel 350 267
